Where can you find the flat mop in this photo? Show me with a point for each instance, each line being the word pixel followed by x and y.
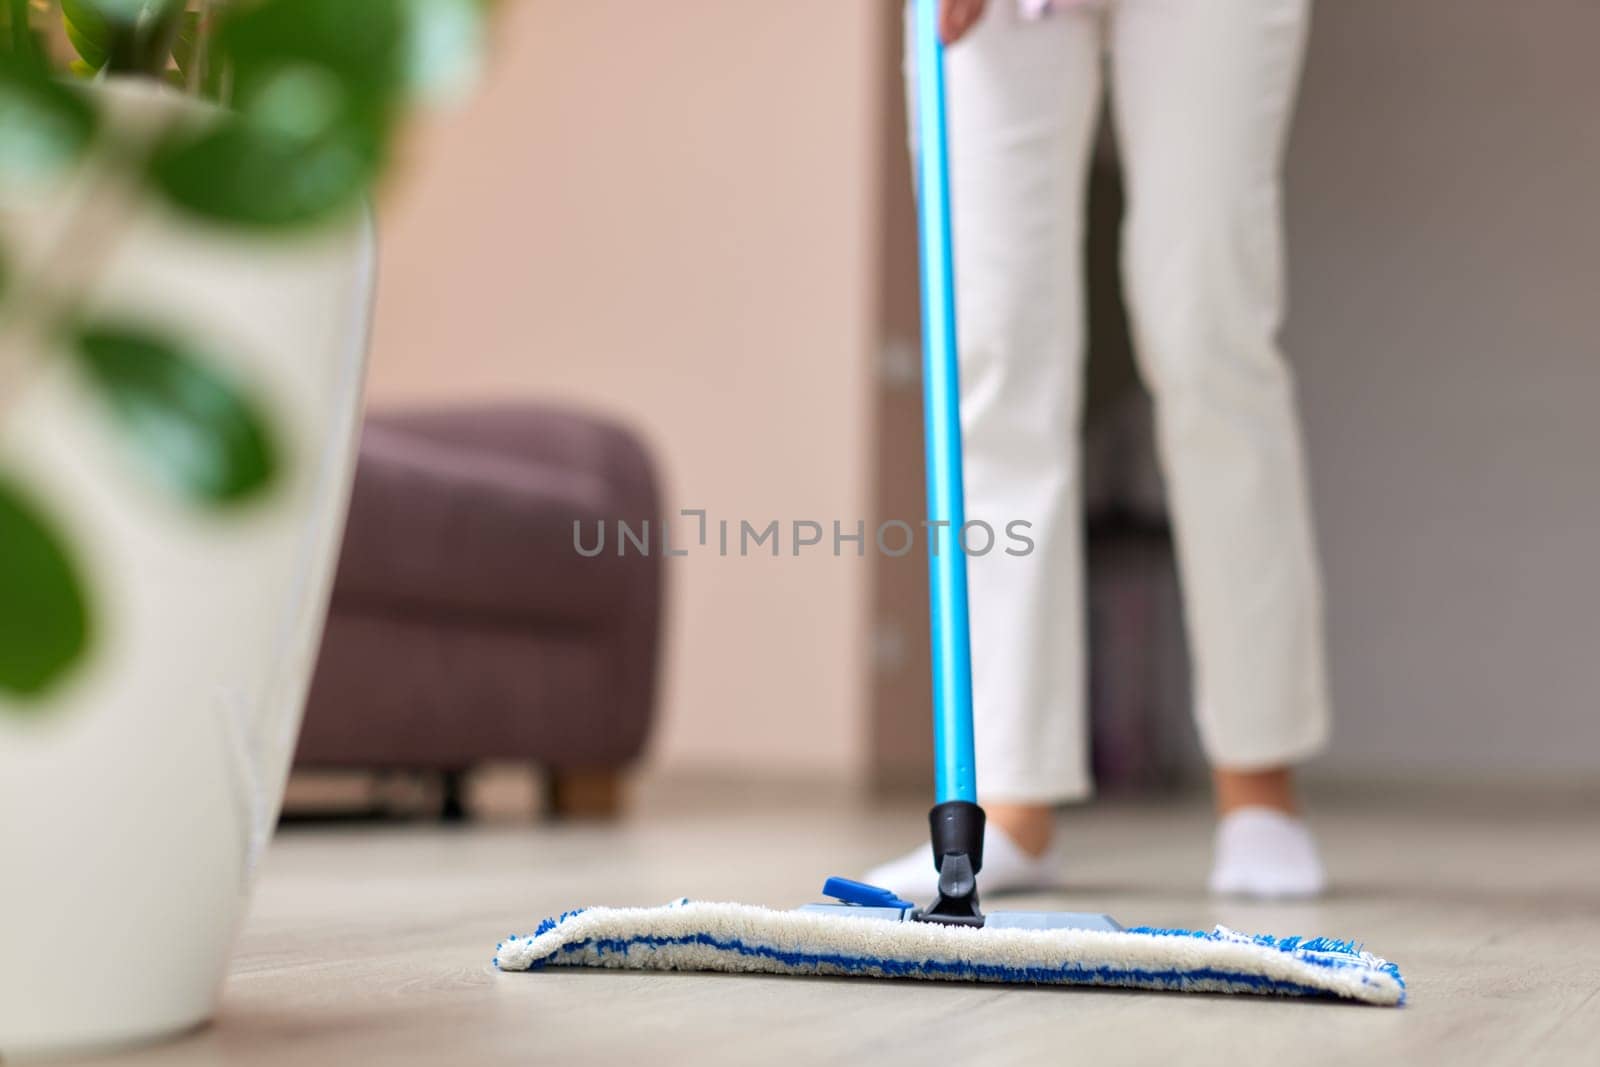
pixel 868 931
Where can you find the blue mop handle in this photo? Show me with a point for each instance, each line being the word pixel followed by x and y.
pixel 955 777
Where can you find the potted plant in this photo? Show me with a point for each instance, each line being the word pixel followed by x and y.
pixel 186 271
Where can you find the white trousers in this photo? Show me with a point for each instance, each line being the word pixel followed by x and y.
pixel 1202 92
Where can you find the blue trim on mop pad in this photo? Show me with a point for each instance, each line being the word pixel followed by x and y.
pixel 697 936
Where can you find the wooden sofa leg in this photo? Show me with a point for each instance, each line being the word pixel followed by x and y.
pixel 584 794
pixel 452 806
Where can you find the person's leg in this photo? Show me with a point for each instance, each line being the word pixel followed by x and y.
pixel 1023 99
pixel 1273 788
pixel 1203 95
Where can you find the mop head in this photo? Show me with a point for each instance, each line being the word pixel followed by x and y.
pixel 694 936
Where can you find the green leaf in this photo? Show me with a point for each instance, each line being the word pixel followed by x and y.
pixel 315 84
pixel 43 124
pixel 149 50
pixel 123 35
pixel 187 46
pixel 124 12
pixel 318 87
pixel 360 43
pixel 444 46
pixel 197 429
pixel 88 31
pixel 301 102
pixel 258 176
pixel 382 51
pixel 44 615
pixel 21 48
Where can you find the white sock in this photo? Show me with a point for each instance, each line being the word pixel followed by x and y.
pixel 1265 853
pixel 1006 868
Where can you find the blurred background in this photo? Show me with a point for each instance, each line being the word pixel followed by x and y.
pixel 695 218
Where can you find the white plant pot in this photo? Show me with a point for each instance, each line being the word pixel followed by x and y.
pixel 135 804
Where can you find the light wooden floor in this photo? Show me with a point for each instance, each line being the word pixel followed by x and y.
pixel 373 945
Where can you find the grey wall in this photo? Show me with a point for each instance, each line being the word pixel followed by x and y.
pixel 1444 203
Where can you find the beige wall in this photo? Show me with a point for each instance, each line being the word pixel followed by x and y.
pixel 674 211
pixel 665 211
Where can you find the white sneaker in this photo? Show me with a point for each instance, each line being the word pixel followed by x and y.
pixel 1266 854
pixel 1006 869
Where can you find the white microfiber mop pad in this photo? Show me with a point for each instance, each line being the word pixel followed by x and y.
pixel 693 936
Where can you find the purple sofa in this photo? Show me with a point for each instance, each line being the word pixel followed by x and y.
pixel 465 627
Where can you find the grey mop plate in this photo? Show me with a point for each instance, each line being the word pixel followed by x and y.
pixel 1050 920
pixel 994 920
pixel 861 911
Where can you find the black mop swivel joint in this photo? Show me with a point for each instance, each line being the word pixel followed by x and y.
pixel 957 827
